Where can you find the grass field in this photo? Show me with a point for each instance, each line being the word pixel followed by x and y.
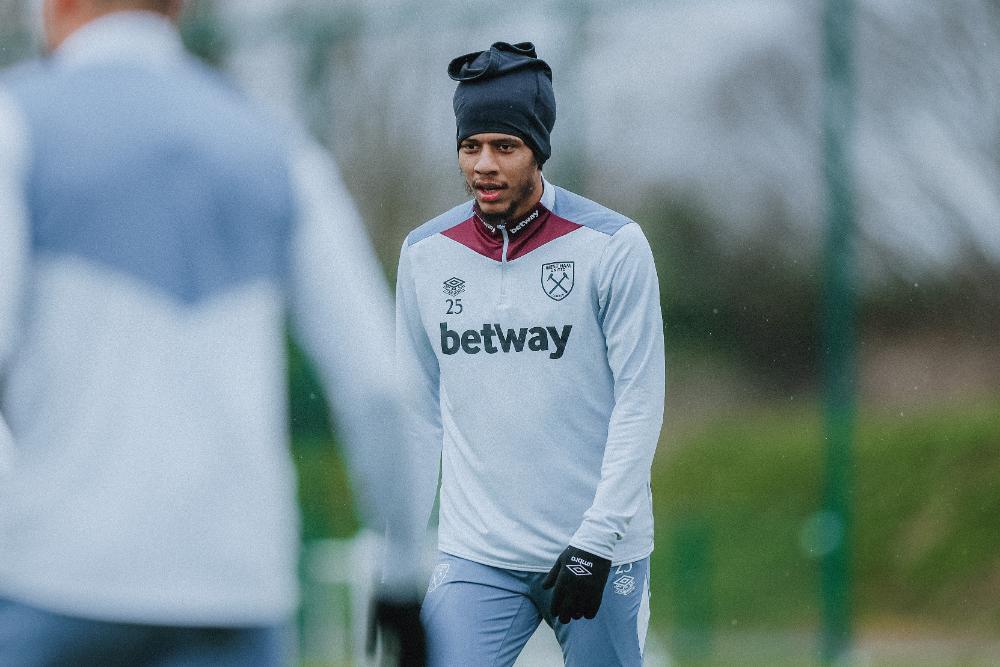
pixel 735 571
pixel 737 547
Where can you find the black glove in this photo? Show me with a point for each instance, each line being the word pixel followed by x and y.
pixel 579 579
pixel 402 633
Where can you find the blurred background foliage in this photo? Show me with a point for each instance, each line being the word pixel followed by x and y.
pixel 701 119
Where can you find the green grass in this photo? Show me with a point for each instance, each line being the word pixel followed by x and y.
pixel 733 503
pixel 733 567
pixel 928 516
pixel 735 496
pixel 324 489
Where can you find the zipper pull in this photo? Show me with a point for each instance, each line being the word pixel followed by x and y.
pixel 506 243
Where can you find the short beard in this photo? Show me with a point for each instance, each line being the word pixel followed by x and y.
pixel 522 192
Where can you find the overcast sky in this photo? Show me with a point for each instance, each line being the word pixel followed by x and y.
pixel 716 101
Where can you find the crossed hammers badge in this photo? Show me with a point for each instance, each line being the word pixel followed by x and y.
pixel 557 279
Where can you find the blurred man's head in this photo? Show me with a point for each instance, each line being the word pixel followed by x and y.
pixel 61 18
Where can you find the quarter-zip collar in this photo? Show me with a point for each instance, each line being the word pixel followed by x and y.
pixel 493 239
pixel 513 228
pixel 536 230
pixel 534 218
pixel 520 234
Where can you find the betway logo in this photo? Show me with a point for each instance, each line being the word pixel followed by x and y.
pixel 519 226
pixel 492 338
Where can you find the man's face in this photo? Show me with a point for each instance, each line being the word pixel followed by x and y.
pixel 501 173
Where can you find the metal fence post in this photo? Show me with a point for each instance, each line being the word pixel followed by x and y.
pixel 838 335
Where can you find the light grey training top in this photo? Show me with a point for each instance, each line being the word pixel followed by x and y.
pixel 535 367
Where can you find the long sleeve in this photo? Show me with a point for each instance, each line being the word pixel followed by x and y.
pixel 13 237
pixel 13 219
pixel 633 328
pixel 419 373
pixel 342 310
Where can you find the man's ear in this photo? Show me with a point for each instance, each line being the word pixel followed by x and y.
pixel 174 9
pixel 60 18
pixel 66 7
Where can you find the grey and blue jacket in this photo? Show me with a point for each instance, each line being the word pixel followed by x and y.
pixel 155 233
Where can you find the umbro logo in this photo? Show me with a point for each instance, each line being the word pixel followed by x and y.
pixel 625 584
pixel 453 286
pixel 579 566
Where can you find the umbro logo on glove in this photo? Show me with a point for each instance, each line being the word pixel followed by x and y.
pixel 578 578
pixel 579 566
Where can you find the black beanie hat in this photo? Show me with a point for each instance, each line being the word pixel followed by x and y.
pixel 506 89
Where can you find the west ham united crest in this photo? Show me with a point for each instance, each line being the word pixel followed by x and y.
pixel 557 279
pixel 438 576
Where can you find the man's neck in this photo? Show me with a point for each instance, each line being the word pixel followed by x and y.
pixel 138 37
pixel 64 27
pixel 518 219
pixel 513 225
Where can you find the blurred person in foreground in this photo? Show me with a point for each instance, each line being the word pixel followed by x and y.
pixel 536 312
pixel 155 230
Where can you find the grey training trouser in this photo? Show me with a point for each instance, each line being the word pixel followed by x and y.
pixel 481 615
